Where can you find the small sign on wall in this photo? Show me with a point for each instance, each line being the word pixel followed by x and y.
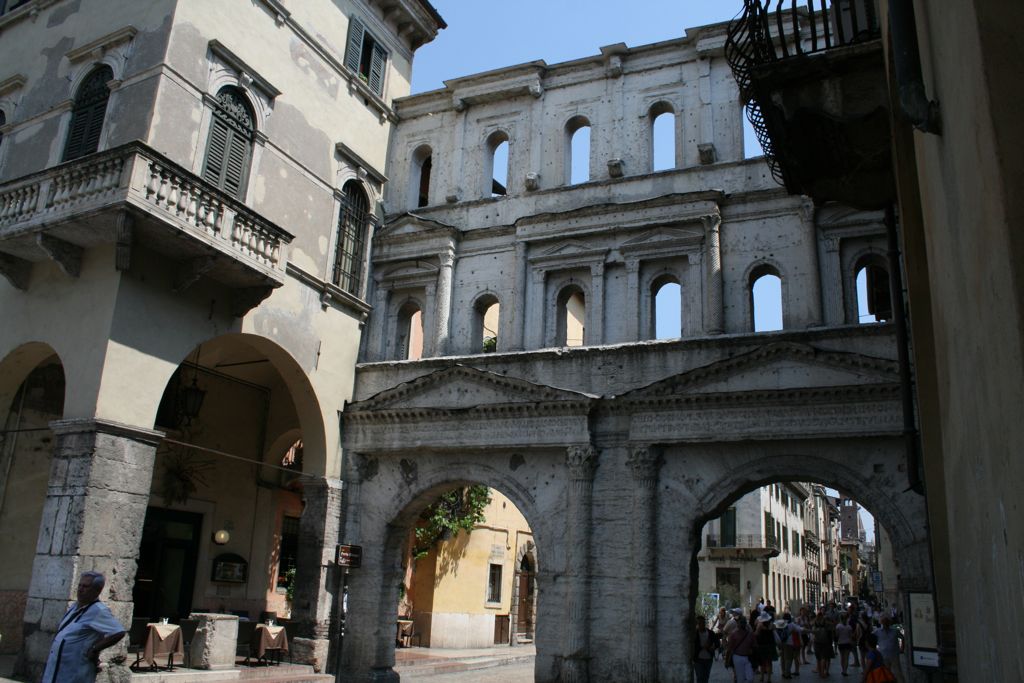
pixel 230 568
pixel 923 630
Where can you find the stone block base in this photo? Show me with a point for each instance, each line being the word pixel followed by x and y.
pixel 311 651
pixel 12 612
pixel 215 641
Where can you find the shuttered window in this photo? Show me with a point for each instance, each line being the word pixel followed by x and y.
pixel 229 147
pixel 353 222
pixel 365 55
pixel 87 114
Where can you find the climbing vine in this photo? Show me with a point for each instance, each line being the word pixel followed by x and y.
pixel 458 510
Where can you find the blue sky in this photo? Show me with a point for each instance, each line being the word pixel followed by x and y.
pixel 484 35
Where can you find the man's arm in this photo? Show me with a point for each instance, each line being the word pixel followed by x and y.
pixel 103 644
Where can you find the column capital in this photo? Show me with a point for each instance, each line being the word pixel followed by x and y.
pixel 446 258
pixel 644 461
pixel 831 244
pixel 712 221
pixel 597 269
pixel 581 461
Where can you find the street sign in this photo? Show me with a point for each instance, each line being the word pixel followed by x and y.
pixel 349 556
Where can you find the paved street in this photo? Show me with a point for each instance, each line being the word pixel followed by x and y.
pixel 523 673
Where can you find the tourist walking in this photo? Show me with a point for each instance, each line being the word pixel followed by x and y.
pixel 790 644
pixel 889 647
pixel 875 670
pixel 803 620
pixel 844 641
pixel 87 628
pixel 767 650
pixel 741 645
pixel 822 632
pixel 705 644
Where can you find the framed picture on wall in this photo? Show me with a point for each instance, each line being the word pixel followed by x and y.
pixel 230 568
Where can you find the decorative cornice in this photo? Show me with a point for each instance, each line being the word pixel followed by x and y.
pixel 12 84
pixel 359 163
pixel 98 47
pixel 406 416
pixel 244 70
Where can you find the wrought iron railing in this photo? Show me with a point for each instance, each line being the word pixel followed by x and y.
pixel 743 541
pixel 768 31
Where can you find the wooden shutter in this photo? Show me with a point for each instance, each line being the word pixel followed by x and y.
pixel 377 62
pixel 87 114
pixel 229 147
pixel 213 171
pixel 354 50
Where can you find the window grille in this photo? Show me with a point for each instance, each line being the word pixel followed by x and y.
pixel 494 584
pixel 352 226
pixel 87 114
pixel 365 55
pixel 229 147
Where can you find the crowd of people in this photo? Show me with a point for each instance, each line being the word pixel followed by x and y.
pixel 750 645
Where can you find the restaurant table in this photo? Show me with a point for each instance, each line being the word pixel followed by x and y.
pixel 163 639
pixel 270 638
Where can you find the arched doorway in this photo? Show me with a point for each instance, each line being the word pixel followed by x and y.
pixel 242 451
pixel 32 389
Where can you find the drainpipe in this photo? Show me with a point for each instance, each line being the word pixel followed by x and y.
pixel 914 103
pixel 910 436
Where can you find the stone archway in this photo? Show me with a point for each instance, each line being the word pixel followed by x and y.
pixel 32 393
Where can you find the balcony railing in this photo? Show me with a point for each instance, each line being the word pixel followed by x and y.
pixel 768 31
pixel 162 194
pixel 743 544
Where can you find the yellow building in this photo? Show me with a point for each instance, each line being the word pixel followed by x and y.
pixel 477 589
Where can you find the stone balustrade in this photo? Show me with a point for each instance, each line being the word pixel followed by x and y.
pixel 137 175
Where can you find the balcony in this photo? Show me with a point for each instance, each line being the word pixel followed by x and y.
pixel 742 547
pixel 816 92
pixel 132 196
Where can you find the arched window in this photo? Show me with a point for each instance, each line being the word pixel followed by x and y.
pixel 663 137
pixel 485 323
pixel 577 150
pixel 667 318
pixel 572 312
pixel 766 299
pixel 497 153
pixel 874 302
pixel 353 221
pixel 87 114
pixel 422 166
pixel 409 342
pixel 229 146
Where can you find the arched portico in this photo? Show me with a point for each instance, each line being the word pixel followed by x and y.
pixel 620 484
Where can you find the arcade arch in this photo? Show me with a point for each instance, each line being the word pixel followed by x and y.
pixel 32 385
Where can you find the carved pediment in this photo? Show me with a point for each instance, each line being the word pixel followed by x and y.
pixel 775 367
pixel 661 239
pixel 409 269
pixel 409 224
pixel 568 248
pixel 461 388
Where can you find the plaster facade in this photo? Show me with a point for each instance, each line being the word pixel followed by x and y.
pixel 136 275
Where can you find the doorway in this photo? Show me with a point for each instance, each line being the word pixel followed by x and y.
pixel 167 564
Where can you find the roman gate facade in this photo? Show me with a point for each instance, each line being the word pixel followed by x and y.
pixel 617 447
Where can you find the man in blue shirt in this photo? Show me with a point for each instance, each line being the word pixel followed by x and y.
pixel 87 628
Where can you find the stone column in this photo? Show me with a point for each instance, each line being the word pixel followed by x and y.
pixel 813 290
pixel 538 302
pixel 595 308
pixel 379 323
pixel 832 282
pixel 443 303
pixel 92 519
pixel 714 313
pixel 633 325
pixel 581 462
pixel 518 309
pixel 316 578
pixel 429 314
pixel 644 463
